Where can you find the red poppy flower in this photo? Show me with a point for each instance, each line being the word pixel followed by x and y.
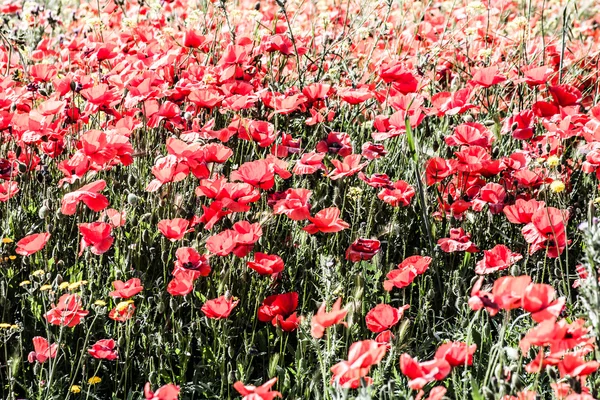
pixel 362 249
pixel 266 264
pixel 104 349
pixel 539 300
pixel 67 312
pixel 219 308
pixel 400 193
pixel 96 235
pixel 350 166
pixel 277 304
pixel 497 259
pixel 547 230
pixel 222 243
pixel 385 337
pixel 376 180
pixel 122 312
pixel 486 77
pixel 437 169
pixel 42 350
pixel 32 244
pixel 383 317
pixel 8 189
pixel 262 392
pixel 295 204
pixel 446 103
pixel 576 366
pixel 190 261
pixel 459 240
pixel 470 134
pixel 181 284
pixel 174 229
pixel 522 211
pixel 406 272
pixel 125 290
pixel 372 151
pixel 309 163
pixel 336 143
pixel 326 221
pixel 362 356
pixel 420 374
pixel 89 195
pixel 323 319
pixel 166 392
pixel 456 353
pixel 288 324
pixel 259 173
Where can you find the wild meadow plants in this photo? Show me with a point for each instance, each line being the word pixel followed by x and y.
pixel 300 199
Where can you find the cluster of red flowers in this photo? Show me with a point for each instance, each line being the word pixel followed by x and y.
pixel 205 107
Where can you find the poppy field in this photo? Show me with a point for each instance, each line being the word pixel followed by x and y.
pixel 322 199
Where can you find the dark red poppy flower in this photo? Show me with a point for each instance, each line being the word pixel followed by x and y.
pixel 32 244
pixel 437 169
pixel 104 349
pixel 383 317
pixel 220 307
pixel 362 250
pixel 288 324
pixel 277 304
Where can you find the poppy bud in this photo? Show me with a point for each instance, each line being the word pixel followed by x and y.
pixel 132 199
pixel 257 6
pixel 22 168
pixel 43 212
pixel 131 180
pixel 160 307
pixel 468 118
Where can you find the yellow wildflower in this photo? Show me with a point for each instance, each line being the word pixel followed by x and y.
pixel 75 389
pixel 94 379
pixel 4 325
pixel 24 283
pixel 45 287
pixel 7 240
pixel 100 303
pixel 557 186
